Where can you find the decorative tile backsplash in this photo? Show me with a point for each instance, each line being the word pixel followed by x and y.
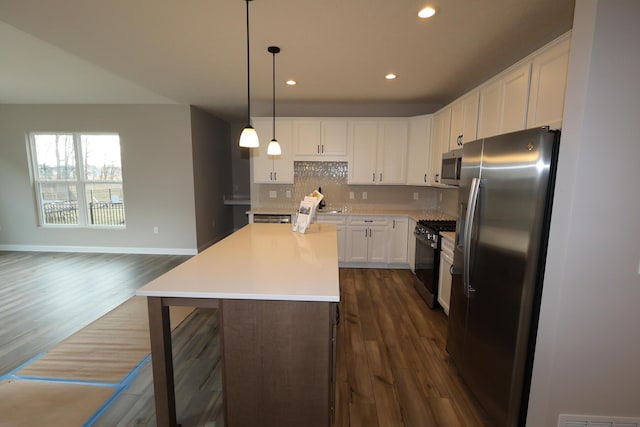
pixel 331 177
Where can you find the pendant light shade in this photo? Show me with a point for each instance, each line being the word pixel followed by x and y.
pixel 249 136
pixel 274 146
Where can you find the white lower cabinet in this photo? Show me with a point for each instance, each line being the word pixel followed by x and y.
pixel 341 222
pixel 398 246
pixel 444 285
pixel 411 245
pixel 367 240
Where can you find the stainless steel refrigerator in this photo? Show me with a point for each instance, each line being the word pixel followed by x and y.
pixel 506 190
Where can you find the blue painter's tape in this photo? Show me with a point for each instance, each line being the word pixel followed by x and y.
pixel 11 374
pixel 104 407
pixel 66 381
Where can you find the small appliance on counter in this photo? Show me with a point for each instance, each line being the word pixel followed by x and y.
pixel 427 264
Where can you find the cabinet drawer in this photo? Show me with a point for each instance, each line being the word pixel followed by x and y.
pixel 369 221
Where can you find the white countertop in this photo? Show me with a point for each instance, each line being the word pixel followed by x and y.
pixel 259 262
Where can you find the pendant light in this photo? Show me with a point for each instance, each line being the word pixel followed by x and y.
pixel 249 136
pixel 273 149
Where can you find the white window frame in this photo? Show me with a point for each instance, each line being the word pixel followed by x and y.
pixel 81 182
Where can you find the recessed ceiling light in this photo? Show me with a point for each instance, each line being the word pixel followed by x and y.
pixel 291 82
pixel 390 76
pixel 427 12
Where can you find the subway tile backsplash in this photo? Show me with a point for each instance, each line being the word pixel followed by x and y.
pixel 331 177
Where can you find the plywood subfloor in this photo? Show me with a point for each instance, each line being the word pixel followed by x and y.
pixel 35 403
pixel 106 350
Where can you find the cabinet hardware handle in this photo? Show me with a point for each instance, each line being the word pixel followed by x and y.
pixel 436 178
pixel 275 176
pixel 318 148
pixel 270 176
pixel 374 177
pixel 394 223
pixel 322 151
pixel 380 176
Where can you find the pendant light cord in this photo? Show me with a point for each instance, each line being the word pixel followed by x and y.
pixel 274 94
pixel 248 68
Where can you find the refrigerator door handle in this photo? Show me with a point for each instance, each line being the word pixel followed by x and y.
pixel 468 228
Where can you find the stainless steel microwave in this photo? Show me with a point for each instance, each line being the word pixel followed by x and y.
pixel 451 165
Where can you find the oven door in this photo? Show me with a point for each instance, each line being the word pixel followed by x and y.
pixel 426 269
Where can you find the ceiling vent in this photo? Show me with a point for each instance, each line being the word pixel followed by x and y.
pixel 596 421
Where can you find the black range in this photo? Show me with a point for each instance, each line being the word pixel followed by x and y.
pixel 427 263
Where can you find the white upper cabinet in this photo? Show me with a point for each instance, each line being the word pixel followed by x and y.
pixel 503 103
pixel 378 151
pixel 548 86
pixel 320 139
pixel 464 120
pixel 272 169
pixel 439 143
pixel 418 161
pixel 515 99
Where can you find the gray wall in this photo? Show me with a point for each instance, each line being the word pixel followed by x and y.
pixel 157 168
pixel 212 177
pixel 588 345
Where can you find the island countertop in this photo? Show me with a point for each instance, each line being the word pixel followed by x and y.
pixel 259 262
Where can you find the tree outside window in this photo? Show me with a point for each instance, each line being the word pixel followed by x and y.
pixel 78 179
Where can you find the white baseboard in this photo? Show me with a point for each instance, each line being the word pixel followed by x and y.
pixel 99 249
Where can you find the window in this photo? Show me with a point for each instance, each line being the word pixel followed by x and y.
pixel 78 179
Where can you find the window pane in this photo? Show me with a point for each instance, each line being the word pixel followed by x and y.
pixel 105 204
pixel 55 157
pixel 101 155
pixel 59 203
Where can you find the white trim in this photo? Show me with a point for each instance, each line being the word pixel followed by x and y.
pixel 99 249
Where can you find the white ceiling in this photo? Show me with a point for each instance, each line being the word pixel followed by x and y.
pixel 194 52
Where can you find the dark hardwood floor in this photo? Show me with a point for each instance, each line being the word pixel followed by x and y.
pixel 393 369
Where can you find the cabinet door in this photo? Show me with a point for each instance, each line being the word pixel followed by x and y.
pixel 444 286
pixel 261 163
pixel 457 126
pixel 272 169
pixel 418 150
pixel 392 152
pixel 411 245
pixel 398 240
pixel 342 240
pixel 306 137
pixel 489 110
pixel 357 243
pixel 464 121
pixel 470 127
pixel 514 99
pixel 282 164
pixel 548 86
pixel 363 140
pixel 440 141
pixel 377 245
pixel 333 141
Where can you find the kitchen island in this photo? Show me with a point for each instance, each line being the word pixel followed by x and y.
pixel 276 292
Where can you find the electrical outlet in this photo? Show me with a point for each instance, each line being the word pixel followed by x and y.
pixel 364 195
pixel 288 194
pixel 156 230
pixel 352 195
pixel 416 196
pixel 273 194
